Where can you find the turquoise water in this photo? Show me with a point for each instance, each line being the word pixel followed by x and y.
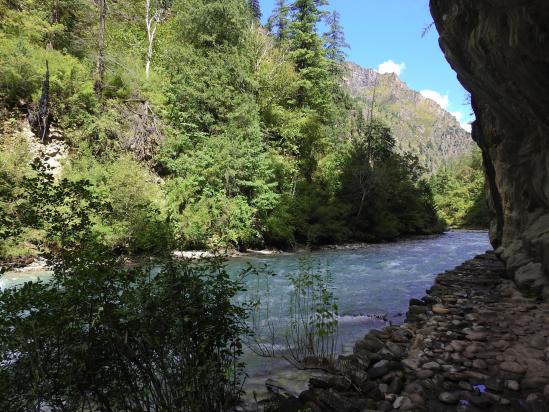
pixel 368 281
pixel 374 280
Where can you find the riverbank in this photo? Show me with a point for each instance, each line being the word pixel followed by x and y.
pixel 38 264
pixel 474 342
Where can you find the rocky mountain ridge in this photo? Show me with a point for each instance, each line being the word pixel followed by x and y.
pixel 419 124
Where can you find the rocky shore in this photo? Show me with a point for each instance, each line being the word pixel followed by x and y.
pixel 473 343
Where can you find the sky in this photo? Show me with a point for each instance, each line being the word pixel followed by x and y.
pixel 386 35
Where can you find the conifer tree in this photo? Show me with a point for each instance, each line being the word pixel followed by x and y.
pixel 279 22
pixel 335 43
pixel 256 8
pixel 308 52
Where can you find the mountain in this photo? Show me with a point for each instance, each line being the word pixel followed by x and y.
pixel 419 124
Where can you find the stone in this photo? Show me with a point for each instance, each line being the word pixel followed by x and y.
pixel 546 391
pixel 448 398
pixel 398 402
pixel 396 350
pixel 417 310
pixel 396 385
pixel 424 374
pixel 526 276
pixel 330 381
pixel 440 309
pixel 533 397
pixel 410 363
pixel 511 366
pixel 431 365
pixel 537 342
pixel 358 377
pixel 512 385
pixel 369 343
pixel 279 389
pixel 477 336
pixel 379 369
pixel 383 406
pixel 479 364
pixel 401 335
pixel 407 404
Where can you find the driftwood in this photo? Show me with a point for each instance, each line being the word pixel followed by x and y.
pixel 40 119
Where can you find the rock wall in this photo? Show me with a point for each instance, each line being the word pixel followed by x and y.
pixel 500 51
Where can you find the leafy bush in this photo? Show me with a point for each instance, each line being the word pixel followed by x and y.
pixel 100 337
pixel 17 240
pixel 460 193
pixel 137 222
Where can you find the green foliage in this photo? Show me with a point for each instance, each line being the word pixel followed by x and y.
pixel 279 21
pixel 238 137
pixel 335 43
pixel 99 336
pixel 16 240
pixel 136 222
pixel 459 193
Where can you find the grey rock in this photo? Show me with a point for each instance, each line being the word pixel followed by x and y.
pixel 448 398
pixel 512 385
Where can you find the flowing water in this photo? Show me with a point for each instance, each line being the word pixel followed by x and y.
pixel 368 282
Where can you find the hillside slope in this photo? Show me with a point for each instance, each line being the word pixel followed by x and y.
pixel 419 124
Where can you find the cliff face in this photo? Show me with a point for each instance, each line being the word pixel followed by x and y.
pixel 420 126
pixel 500 50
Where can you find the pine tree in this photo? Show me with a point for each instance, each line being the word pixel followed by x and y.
pixel 308 52
pixel 279 22
pixel 256 8
pixel 335 43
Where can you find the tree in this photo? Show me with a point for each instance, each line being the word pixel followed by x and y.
pixel 308 53
pixel 152 19
pixel 256 8
pixel 335 43
pixel 279 21
pixel 100 61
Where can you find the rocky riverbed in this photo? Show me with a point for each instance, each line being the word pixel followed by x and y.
pixel 474 342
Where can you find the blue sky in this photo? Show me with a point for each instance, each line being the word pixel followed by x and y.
pixel 386 35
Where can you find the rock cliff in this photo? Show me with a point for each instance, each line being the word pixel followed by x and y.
pixel 419 124
pixel 500 51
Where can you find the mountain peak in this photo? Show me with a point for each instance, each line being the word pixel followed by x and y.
pixel 419 124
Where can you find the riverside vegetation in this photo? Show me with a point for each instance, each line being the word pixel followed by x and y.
pixel 187 125
pixel 204 124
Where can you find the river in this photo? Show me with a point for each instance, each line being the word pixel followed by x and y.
pixel 373 280
pixel 367 281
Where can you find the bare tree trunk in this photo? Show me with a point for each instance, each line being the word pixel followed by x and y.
pixel 39 120
pixel 151 22
pixel 100 63
pixel 361 203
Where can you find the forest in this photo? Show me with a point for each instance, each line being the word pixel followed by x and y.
pixel 197 124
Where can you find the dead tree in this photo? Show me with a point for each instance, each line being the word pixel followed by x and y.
pixel 39 120
pixel 146 134
pixel 152 19
pixel 100 62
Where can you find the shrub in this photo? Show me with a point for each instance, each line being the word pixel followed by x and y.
pixel 100 337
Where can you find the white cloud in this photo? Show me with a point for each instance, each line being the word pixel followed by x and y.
pixel 457 115
pixel 467 126
pixel 443 101
pixel 464 125
pixel 391 67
